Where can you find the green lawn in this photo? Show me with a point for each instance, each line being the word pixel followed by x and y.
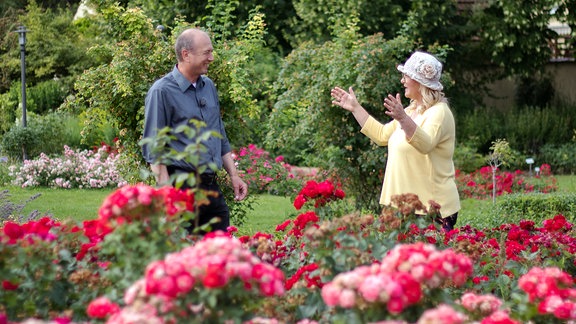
pixel 269 211
pixel 78 204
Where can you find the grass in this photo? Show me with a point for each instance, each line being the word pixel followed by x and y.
pixel 269 211
pixel 77 204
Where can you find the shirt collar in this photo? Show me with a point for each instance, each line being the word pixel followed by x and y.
pixel 183 83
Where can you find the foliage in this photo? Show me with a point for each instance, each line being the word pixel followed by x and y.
pixel 561 157
pixel 518 34
pixel 527 129
pixel 336 249
pixel 241 210
pixel 45 96
pixel 213 280
pixel 266 175
pixel 54 46
pixel 20 142
pixel 159 147
pixel 43 134
pixel 128 215
pixel 263 175
pixel 492 40
pixel 4 171
pixel 41 99
pixel 316 21
pixel 9 104
pixel 74 264
pixel 467 159
pixel 500 154
pixel 75 169
pixel 238 83
pixel 114 92
pixel 536 206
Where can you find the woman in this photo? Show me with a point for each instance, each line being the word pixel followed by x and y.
pixel 420 138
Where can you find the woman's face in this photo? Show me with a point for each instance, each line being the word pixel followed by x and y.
pixel 411 88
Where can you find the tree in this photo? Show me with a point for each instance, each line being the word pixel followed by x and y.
pixel 501 154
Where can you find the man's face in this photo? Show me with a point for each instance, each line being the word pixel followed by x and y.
pixel 201 56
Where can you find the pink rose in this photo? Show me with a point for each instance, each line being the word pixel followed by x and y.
pixel 102 307
pixel 347 298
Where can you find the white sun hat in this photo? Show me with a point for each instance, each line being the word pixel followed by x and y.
pixel 424 68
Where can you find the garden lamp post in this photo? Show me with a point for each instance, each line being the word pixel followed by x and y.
pixel 22 41
pixel 530 161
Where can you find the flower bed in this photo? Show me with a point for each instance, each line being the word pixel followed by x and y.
pixel 135 263
pixel 480 184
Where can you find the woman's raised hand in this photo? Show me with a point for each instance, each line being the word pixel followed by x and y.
pixel 346 100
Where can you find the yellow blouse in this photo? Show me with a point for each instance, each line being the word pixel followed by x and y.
pixel 422 165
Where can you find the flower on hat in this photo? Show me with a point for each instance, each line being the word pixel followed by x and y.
pixel 427 70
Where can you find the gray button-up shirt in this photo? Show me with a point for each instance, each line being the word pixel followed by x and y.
pixel 173 101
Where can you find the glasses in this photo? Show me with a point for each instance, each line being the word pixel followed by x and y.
pixel 205 53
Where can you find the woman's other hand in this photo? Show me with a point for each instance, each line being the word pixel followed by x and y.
pixel 395 108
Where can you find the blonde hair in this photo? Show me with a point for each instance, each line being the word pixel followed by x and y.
pixel 429 98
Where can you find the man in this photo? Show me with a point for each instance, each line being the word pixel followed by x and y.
pixel 185 94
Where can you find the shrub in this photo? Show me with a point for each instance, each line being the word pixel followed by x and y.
pixel 355 268
pixel 19 140
pixel 562 157
pixel 265 174
pixel 43 134
pixel 46 96
pixel 8 107
pixel 527 129
pixel 305 123
pixel 41 275
pixel 76 169
pixel 536 206
pixel 467 159
pixel 4 171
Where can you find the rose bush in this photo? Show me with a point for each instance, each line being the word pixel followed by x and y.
pixel 326 265
pixel 479 185
pixel 75 169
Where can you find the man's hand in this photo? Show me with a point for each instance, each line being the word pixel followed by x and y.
pixel 161 173
pixel 240 188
